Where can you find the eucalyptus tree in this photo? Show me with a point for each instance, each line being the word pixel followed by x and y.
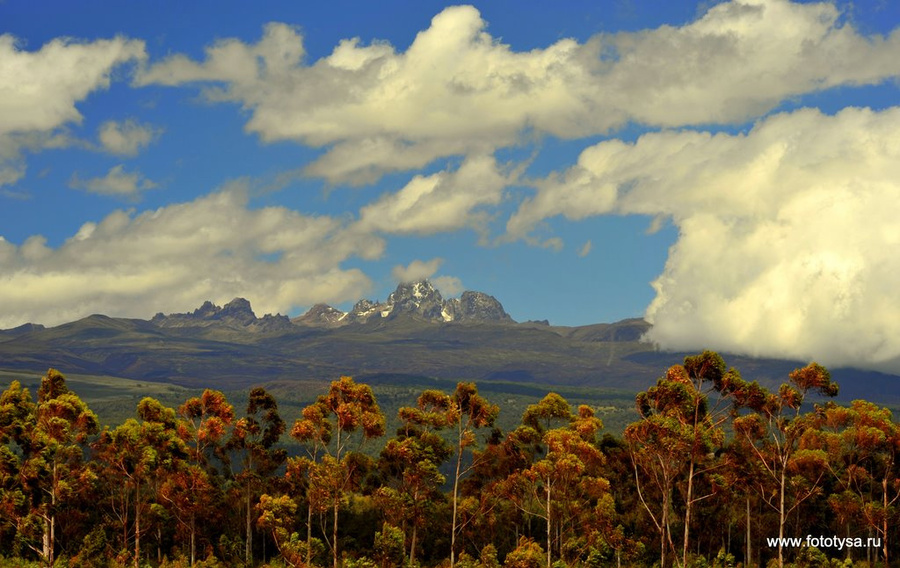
pixel 566 483
pixel 773 432
pixel 134 459
pixel 204 425
pixel 469 412
pixel 681 428
pixel 411 462
pixel 17 420
pixel 862 442
pixel 253 440
pixel 327 427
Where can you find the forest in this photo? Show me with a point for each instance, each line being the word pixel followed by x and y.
pixel 716 471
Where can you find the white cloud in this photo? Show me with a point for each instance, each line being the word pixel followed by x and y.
pixel 175 257
pixel 416 270
pixel 449 286
pixel 39 89
pixel 457 90
pixel 126 138
pixel 116 182
pixel 787 235
pixel 441 202
pixel 585 249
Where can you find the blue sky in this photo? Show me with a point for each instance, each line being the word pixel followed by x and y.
pixel 728 170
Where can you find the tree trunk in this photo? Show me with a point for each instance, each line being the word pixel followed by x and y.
pixel 45 541
pixel 748 557
pixel 781 520
pixel 884 528
pixel 334 535
pixel 548 525
pixel 334 530
pixel 412 544
pixel 137 528
pixel 308 530
pixel 663 528
pixel 49 540
pixel 248 555
pixel 193 539
pixel 125 521
pixel 455 499
pixel 687 513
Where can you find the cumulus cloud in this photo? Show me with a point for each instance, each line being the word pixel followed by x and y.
pixel 457 90
pixel 441 202
pixel 416 270
pixel 449 286
pixel 117 182
pixel 39 89
pixel 787 234
pixel 126 138
pixel 175 257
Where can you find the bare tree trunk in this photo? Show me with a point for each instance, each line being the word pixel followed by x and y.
pixel 45 541
pixel 193 539
pixel 687 513
pixel 334 530
pixel 781 521
pixel 884 527
pixel 663 531
pixel 308 531
pixel 412 545
pixel 455 500
pixel 137 528
pixel 248 555
pixel 749 557
pixel 334 535
pixel 49 536
pixel 548 525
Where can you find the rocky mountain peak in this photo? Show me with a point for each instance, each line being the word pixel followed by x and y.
pixel 207 310
pixel 235 314
pixel 478 306
pixel 238 309
pixel 321 315
pixel 420 299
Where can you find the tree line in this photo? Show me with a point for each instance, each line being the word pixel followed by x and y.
pixel 712 472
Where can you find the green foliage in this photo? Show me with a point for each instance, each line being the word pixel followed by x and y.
pixel 488 557
pixel 18 563
pixel 812 557
pixel 390 544
pixel 92 553
pixel 724 559
pixel 528 554
pixel 361 562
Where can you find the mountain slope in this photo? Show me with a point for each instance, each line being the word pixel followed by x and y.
pixel 415 332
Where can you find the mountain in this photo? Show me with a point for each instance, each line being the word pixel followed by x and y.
pixel 414 333
pixel 236 314
pixel 321 315
pixel 419 300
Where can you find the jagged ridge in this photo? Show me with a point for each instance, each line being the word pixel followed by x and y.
pixel 236 313
pixel 419 300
